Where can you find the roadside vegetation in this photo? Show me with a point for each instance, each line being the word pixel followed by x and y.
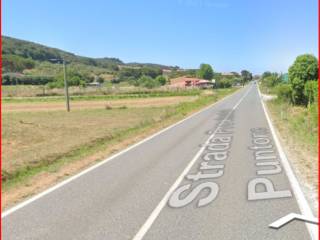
pixel 295 112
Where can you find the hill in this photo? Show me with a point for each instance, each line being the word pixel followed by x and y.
pixel 38 52
pixel 34 64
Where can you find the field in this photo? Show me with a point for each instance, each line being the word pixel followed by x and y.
pixel 40 140
pixel 107 89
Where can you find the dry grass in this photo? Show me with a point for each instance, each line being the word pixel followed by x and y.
pixel 299 136
pixel 31 137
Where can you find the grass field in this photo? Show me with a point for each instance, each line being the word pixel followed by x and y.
pixel 30 92
pixel 95 103
pixel 40 141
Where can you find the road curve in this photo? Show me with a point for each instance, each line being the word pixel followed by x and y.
pixel 216 175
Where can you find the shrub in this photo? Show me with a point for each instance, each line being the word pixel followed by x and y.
pixel 224 83
pixel 161 80
pixel 297 91
pixel 271 80
pixel 284 92
pixel 12 79
pixel 311 91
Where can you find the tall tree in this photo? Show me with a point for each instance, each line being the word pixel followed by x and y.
pixel 205 71
pixel 246 76
pixel 304 68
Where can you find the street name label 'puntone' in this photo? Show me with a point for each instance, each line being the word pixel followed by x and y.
pixel 267 163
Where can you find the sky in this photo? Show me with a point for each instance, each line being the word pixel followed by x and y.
pixel 231 35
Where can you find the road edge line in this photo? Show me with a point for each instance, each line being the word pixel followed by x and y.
pixel 89 169
pixel 300 198
pixel 156 211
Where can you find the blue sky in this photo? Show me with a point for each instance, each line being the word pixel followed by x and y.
pixel 231 35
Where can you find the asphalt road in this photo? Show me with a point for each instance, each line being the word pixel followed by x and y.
pixel 216 175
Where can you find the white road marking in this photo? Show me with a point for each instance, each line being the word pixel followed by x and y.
pixel 290 217
pixel 302 202
pixel 61 184
pixel 155 213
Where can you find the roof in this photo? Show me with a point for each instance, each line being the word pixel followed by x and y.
pixel 185 79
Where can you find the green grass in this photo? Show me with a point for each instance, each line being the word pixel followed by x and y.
pixel 137 94
pixel 54 162
pixel 300 123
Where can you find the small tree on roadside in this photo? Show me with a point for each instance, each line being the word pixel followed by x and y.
pixel 246 76
pixel 205 71
pixel 304 68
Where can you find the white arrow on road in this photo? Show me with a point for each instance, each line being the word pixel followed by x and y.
pixel 293 216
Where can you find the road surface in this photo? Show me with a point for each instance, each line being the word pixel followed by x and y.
pixel 215 175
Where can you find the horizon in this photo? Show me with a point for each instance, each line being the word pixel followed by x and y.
pixel 267 36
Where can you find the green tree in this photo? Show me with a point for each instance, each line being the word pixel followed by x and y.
pixel 161 79
pixel 272 80
pixel 225 83
pixel 151 71
pixel 311 90
pixel 246 76
pixel 266 74
pixel 148 82
pixel 14 63
pixel 205 71
pixel 304 68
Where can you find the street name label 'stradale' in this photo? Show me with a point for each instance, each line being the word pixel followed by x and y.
pixel 267 163
pixel 211 167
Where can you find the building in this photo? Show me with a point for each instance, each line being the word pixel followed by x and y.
pixel 190 82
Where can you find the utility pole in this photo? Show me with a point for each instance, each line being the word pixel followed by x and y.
pixel 66 86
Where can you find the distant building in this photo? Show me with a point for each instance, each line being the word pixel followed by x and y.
pixel 190 82
pixel 204 84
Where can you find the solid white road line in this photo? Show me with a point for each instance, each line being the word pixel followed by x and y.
pixel 302 202
pixel 49 190
pixel 155 213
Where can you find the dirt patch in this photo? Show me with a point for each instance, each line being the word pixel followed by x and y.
pixel 97 104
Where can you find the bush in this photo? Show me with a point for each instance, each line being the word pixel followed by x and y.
pixel 161 80
pixel 224 83
pixel 148 82
pixel 284 92
pixel 271 80
pixel 13 63
pixel 311 91
pixel 298 96
pixel 12 79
